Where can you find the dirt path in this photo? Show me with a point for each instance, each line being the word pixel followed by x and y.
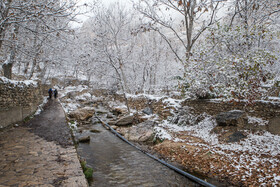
pixel 40 152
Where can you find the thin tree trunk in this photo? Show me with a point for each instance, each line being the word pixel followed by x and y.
pixel 7 67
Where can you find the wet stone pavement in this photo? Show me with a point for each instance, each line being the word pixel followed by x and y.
pixel 40 153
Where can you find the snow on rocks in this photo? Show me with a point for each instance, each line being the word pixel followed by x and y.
pixel 256 121
pixel 40 107
pixel 83 97
pixel 162 134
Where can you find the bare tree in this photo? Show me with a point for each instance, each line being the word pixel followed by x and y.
pixel 43 19
pixel 198 15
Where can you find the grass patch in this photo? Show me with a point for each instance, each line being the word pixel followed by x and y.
pixel 27 119
pixel 87 171
pixel 157 140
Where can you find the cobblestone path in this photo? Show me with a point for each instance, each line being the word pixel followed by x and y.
pixel 36 154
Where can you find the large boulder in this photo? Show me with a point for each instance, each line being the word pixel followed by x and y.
pixel 84 139
pixel 274 126
pixel 148 111
pixel 236 136
pixel 142 132
pixel 82 114
pixel 125 121
pixel 235 118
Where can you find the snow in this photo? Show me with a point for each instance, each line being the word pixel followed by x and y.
pixel 83 97
pixel 19 83
pixel 257 121
pixel 73 125
pixel 40 107
pixel 201 130
pixel 162 134
pixel 148 96
pixel 8 60
pixel 68 89
pixel 173 102
pixel 274 98
pixel 68 107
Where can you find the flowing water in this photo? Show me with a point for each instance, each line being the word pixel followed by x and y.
pixel 115 163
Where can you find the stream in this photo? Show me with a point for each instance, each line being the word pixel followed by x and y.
pixel 115 163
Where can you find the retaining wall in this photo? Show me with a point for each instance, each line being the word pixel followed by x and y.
pixel 18 99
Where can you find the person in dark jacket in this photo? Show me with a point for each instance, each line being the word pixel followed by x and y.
pixel 55 93
pixel 50 93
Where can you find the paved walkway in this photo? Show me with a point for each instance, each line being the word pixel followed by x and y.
pixel 39 154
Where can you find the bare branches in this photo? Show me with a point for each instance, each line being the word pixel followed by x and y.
pixel 189 9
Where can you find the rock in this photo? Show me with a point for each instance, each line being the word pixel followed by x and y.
pixel 274 126
pixel 82 114
pixel 234 118
pixel 109 116
pixel 84 139
pixel 142 132
pixel 100 111
pixel 114 127
pixel 142 119
pixel 111 123
pixel 124 121
pixel 95 131
pixel 236 137
pixel 95 120
pixel 147 111
pixel 123 131
pixel 118 111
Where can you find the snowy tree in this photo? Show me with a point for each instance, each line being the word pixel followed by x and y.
pixel 195 17
pixel 26 26
pixel 240 53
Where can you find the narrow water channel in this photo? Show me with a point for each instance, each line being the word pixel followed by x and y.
pixel 116 163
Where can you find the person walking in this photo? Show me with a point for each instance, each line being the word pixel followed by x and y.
pixel 55 93
pixel 50 93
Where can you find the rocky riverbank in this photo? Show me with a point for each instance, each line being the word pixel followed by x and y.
pixel 232 143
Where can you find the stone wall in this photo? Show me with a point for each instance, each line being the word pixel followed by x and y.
pixel 18 99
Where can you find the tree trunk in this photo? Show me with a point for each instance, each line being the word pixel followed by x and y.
pixel 7 68
pixel 36 48
pixel 8 65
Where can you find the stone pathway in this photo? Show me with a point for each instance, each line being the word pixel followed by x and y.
pixel 28 159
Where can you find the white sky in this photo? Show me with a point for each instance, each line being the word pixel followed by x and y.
pixel 82 18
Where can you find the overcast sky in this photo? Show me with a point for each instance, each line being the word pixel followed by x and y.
pixel 82 18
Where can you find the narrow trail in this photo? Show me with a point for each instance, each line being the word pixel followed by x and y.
pixel 40 152
pixel 51 124
pixel 116 163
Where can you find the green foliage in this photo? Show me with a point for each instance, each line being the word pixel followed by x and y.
pixel 157 140
pixel 88 173
pixel 87 170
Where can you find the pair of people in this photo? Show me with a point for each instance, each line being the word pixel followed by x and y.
pixel 52 92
